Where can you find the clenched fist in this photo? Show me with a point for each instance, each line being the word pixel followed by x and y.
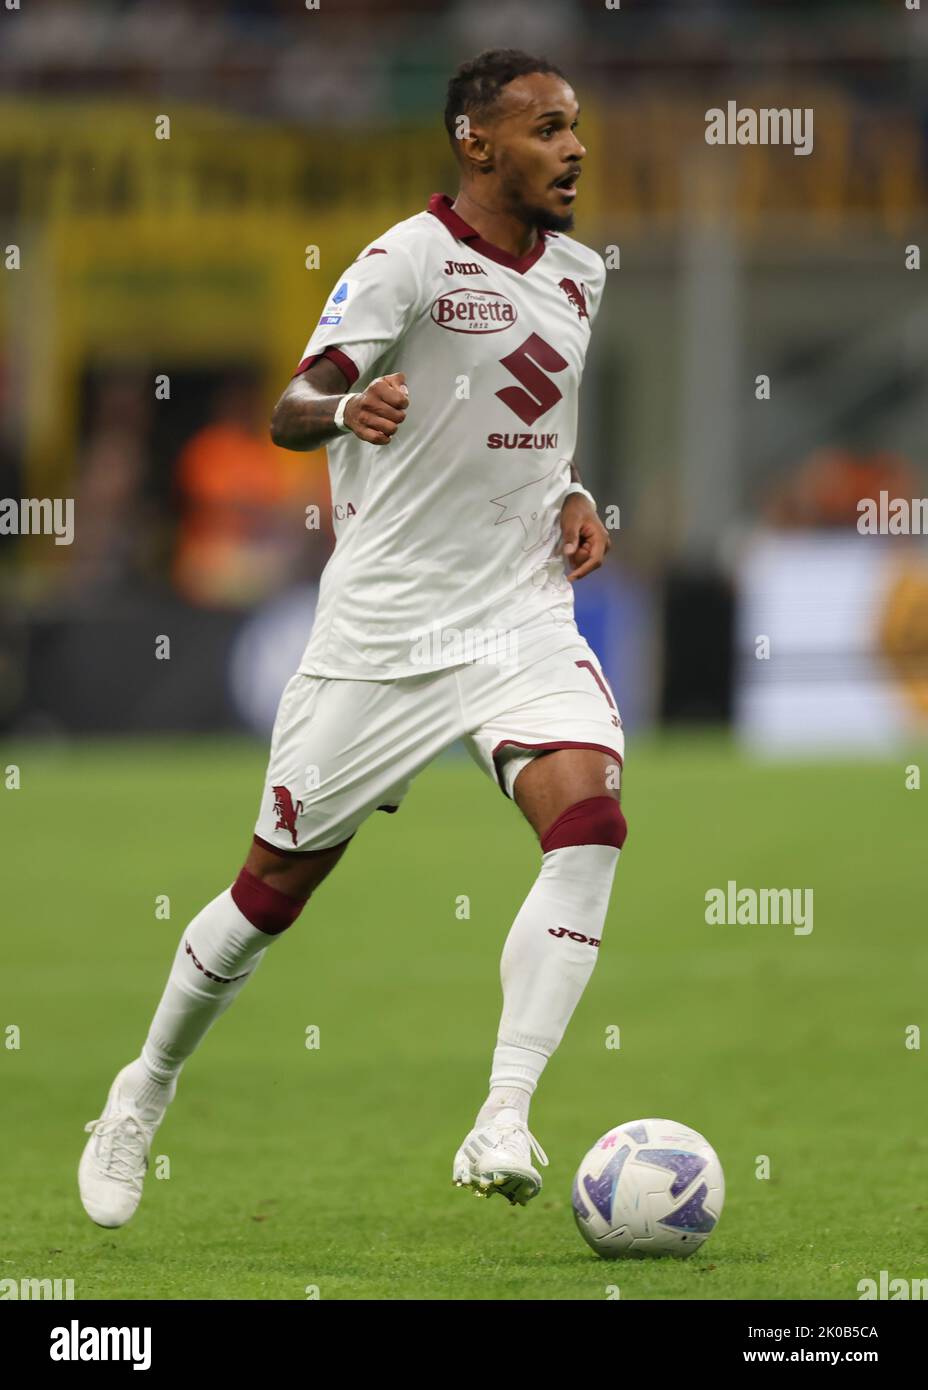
pixel 377 413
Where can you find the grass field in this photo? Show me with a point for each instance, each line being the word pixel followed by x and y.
pixel 292 1167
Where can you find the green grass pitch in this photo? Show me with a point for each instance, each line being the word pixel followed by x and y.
pixel 294 1168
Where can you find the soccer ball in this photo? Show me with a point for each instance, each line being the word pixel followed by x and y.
pixel 651 1187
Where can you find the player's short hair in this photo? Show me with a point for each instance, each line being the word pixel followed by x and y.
pixel 475 87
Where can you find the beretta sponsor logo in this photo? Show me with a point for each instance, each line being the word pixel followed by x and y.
pixel 473 311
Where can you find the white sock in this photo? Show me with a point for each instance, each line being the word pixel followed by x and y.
pixel 149 1097
pixel 504 1098
pixel 219 942
pixel 543 975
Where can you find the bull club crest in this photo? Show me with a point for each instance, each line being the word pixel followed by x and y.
pixel 575 293
pixel 286 811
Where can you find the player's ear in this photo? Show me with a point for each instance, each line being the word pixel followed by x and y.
pixel 487 155
pixel 477 151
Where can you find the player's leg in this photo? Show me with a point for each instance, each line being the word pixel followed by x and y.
pixel 218 953
pixel 224 944
pixel 551 782
pixel 330 766
pixel 570 798
pixel 558 755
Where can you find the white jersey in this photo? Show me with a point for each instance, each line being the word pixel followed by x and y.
pixel 452 528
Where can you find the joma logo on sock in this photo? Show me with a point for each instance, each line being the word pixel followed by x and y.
pixel 574 935
pixel 76 1343
pixel 219 979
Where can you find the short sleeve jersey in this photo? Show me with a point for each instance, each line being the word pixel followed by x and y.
pixel 453 526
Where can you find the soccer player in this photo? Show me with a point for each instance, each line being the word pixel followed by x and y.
pixel 443 378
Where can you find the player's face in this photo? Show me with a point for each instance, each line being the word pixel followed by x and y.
pixel 536 153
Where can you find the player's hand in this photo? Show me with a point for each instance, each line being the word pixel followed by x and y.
pixel 585 539
pixel 377 413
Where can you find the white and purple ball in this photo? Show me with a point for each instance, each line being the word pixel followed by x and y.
pixel 650 1187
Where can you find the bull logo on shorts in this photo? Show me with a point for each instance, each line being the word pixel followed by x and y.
pixel 576 296
pixel 285 811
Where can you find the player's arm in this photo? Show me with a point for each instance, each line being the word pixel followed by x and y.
pixel 585 539
pixel 304 417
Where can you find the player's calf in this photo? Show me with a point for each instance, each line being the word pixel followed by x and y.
pixel 296 873
pixel 218 953
pixel 554 943
pixel 547 961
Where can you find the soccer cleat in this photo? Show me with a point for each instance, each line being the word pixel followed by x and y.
pixel 497 1157
pixel 115 1158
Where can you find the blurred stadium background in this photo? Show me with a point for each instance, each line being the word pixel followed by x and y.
pixel 289 128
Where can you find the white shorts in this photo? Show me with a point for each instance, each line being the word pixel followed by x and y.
pixel 341 749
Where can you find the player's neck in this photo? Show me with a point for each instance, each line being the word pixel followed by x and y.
pixel 502 229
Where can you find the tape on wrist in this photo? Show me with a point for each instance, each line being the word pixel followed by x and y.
pixel 338 419
pixel 578 487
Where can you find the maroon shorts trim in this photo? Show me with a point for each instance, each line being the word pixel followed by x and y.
pixel 548 748
pixel 341 359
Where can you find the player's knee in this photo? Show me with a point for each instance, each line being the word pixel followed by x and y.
pixel 596 821
pixel 267 908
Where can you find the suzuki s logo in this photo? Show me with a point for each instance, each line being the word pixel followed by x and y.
pixel 473 311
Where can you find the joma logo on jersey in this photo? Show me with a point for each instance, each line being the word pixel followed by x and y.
pixel 521 441
pixel 463 268
pixel 286 811
pixel 473 311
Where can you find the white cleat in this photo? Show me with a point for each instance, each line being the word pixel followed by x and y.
pixel 497 1157
pixel 115 1158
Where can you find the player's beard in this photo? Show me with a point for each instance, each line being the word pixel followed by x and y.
pixel 535 216
pixel 555 221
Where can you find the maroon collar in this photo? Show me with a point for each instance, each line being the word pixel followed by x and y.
pixel 440 205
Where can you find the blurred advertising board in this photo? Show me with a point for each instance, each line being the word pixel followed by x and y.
pixel 845 662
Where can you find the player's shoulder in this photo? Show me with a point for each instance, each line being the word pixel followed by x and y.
pixel 411 237
pixel 569 254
